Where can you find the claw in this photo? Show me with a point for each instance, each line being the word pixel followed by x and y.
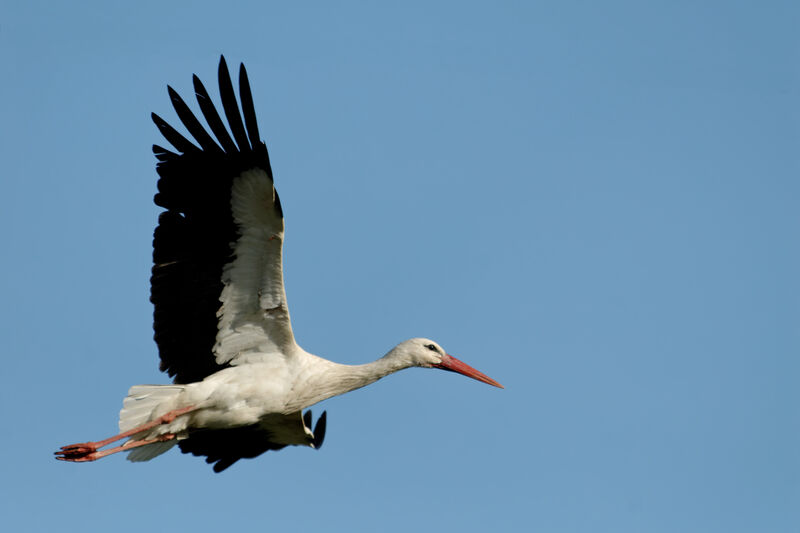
pixel 77 452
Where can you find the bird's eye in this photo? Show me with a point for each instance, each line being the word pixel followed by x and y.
pixel 432 348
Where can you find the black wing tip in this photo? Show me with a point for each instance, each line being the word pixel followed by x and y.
pixel 230 106
pixel 200 91
pixel 222 464
pixel 319 430
pixel 162 154
pixel 240 114
pixel 248 108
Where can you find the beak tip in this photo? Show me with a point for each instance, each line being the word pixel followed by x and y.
pixel 455 365
pixel 494 383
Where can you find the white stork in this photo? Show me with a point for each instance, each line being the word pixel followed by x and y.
pixel 221 320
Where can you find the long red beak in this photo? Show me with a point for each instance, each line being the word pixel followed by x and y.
pixel 454 365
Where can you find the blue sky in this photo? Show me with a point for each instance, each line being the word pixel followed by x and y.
pixel 593 203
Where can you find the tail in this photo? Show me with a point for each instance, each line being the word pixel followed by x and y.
pixel 139 408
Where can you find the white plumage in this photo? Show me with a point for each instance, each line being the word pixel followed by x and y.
pixel 221 319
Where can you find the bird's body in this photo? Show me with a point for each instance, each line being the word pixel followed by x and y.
pixel 221 319
pixel 262 385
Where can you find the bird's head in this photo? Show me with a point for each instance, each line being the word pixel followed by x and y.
pixel 428 354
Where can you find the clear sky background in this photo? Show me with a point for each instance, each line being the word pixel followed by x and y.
pixel 595 203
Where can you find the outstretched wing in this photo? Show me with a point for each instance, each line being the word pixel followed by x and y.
pixel 223 447
pixel 217 278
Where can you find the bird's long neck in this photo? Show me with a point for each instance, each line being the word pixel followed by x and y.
pixel 325 379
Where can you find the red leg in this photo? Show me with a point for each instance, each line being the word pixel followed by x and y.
pixel 80 457
pixel 76 452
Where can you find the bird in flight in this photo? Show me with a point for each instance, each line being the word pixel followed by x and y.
pixel 221 320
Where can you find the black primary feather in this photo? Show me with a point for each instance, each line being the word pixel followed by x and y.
pixel 194 238
pixel 192 124
pixel 319 430
pixel 212 117
pixel 248 109
pixel 231 107
pixel 181 143
pixel 194 242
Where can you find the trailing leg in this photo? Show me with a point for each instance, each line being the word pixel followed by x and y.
pixel 83 457
pixel 88 451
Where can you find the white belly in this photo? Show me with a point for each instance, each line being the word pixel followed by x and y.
pixel 238 396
